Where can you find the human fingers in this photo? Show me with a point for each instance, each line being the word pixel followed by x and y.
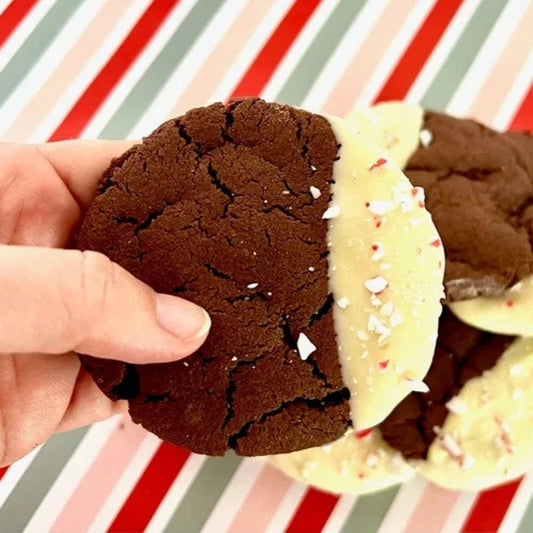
pixel 55 301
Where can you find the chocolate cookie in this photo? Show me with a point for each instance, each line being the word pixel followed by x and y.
pixel 215 207
pixel 479 190
pixel 462 353
pixel 313 255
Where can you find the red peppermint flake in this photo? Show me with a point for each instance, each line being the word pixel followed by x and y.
pixel 367 204
pixel 421 203
pixel 509 303
pixel 361 475
pixel 436 243
pixel 378 223
pixel 375 247
pixel 383 364
pixel 363 433
pixel 378 164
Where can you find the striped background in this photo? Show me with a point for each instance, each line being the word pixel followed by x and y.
pixel 115 69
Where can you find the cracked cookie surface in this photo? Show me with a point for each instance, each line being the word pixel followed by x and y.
pixel 215 206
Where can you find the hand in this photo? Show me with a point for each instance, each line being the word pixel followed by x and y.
pixel 55 302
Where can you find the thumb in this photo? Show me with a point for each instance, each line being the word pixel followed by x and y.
pixel 55 301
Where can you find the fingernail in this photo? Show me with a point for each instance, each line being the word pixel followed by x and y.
pixel 182 318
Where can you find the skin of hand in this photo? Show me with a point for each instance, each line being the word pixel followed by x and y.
pixel 56 301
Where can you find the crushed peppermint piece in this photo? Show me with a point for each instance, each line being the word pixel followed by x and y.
pixel 380 207
pixel 311 269
pixel 313 168
pixel 376 284
pixel 372 460
pixel 456 405
pixel 315 192
pixel 285 192
pixel 378 164
pixel 364 355
pixel 509 303
pixel 505 436
pixel 379 252
pixel 387 309
pixel 385 266
pixel 383 364
pixel 426 137
pixel 379 222
pixel 416 385
pixel 418 193
pixel 362 335
pixel 435 242
pixel 375 325
pixel 234 358
pixel 332 211
pixel 343 302
pixel 395 318
pixel 269 293
pixel 185 363
pixel 515 370
pixel 363 433
pixel 375 301
pixel 252 285
pixel 305 346
pixel 344 468
pixel 517 287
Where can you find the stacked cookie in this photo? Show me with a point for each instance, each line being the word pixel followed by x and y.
pixel 322 271
pixel 470 430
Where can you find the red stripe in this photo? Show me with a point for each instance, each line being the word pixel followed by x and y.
pixel 490 508
pixel 523 119
pixel 418 51
pixel 313 512
pixel 258 74
pixel 114 70
pixel 150 489
pixel 3 470
pixel 11 17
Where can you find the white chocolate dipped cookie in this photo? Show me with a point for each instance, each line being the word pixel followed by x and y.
pixel 353 464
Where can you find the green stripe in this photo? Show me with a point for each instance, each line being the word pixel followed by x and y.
pixel 526 523
pixel 147 88
pixel 463 54
pixel 312 62
pixel 35 483
pixel 202 496
pixel 35 45
pixel 369 511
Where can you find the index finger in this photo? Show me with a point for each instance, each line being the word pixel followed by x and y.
pixel 80 164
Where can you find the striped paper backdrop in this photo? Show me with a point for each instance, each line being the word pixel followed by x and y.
pixel 117 68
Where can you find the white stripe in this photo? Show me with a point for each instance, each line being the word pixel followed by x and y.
pixel 125 484
pixel 516 94
pixel 491 50
pixel 518 505
pixel 23 30
pixel 175 493
pixel 15 472
pixel 191 64
pixel 139 67
pixel 403 506
pixel 344 53
pixel 290 502
pixel 250 49
pixel 442 50
pixel 81 81
pixel 395 51
pixel 71 474
pixel 459 512
pixel 48 62
pixel 340 513
pixel 233 496
pixel 299 48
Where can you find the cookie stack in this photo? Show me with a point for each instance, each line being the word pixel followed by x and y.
pixel 321 264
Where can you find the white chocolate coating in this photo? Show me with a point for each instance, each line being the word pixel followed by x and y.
pixel 489 441
pixel 509 314
pixel 350 465
pixel 386 271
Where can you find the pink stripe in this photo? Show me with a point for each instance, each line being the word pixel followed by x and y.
pixel 373 48
pixel 212 72
pixel 73 62
pixel 262 501
pixel 432 510
pixel 503 73
pixel 93 490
